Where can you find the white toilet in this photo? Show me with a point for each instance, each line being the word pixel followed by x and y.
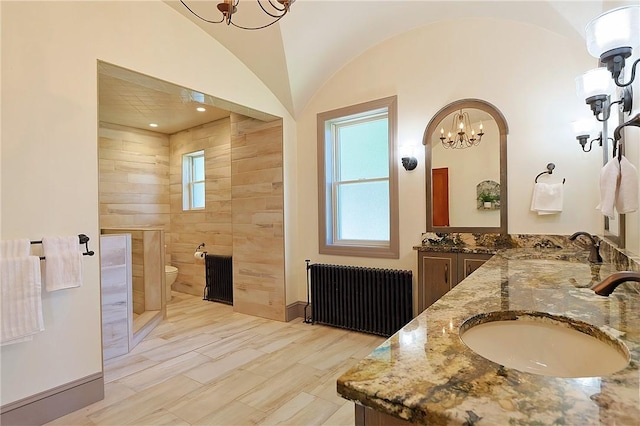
pixel 171 273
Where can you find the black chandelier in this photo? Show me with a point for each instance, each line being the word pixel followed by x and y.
pixel 458 137
pixel 275 10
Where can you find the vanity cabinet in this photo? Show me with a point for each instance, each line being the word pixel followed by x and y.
pixel 440 272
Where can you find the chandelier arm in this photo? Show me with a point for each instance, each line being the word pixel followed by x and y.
pixel 200 17
pixel 275 6
pixel 257 28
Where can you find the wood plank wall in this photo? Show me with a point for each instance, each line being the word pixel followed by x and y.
pixel 212 225
pixel 258 217
pixel 244 206
pixel 133 189
pixel 134 177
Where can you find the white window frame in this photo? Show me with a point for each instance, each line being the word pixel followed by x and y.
pixel 328 180
pixel 188 180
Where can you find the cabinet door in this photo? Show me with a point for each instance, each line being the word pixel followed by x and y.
pixel 438 275
pixel 467 263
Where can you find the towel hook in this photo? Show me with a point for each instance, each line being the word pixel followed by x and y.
pixel 549 170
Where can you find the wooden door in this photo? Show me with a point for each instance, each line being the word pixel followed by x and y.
pixel 440 206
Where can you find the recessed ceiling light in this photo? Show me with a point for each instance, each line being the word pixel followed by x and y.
pixel 153 125
pixel 201 109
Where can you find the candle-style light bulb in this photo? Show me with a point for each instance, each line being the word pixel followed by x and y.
pixel 442 131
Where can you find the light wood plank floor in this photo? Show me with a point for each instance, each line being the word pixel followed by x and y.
pixel 206 365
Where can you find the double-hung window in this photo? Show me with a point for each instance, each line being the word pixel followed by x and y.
pixel 193 194
pixel 358 199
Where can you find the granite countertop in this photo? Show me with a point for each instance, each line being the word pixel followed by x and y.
pixel 425 374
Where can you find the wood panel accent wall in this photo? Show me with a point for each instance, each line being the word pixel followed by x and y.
pixel 258 217
pixel 134 189
pixel 134 177
pixel 212 225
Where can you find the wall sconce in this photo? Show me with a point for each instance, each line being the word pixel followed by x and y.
pixel 407 151
pixel 409 163
pixel 582 139
pixel 582 129
pixel 612 36
pixel 595 87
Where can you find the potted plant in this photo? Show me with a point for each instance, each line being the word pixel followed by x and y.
pixel 487 199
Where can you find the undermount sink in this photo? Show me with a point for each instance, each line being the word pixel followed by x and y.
pixel 540 343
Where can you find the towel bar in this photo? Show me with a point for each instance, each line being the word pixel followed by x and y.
pixel 549 170
pixel 83 239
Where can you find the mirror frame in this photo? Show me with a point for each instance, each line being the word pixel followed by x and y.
pixel 432 127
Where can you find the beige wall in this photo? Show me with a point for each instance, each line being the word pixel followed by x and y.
pixel 212 225
pixel 502 62
pixel 49 170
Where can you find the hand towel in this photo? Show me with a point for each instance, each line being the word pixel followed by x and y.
pixel 63 262
pixel 609 177
pixel 20 299
pixel 14 248
pixel 627 195
pixel 547 198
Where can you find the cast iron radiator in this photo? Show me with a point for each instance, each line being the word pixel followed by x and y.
pixel 219 274
pixel 370 300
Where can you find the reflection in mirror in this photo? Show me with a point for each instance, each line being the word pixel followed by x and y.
pixel 466 182
pixel 465 169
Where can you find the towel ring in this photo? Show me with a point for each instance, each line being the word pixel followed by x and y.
pixel 549 171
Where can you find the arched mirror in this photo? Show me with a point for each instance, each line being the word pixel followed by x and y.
pixel 466 168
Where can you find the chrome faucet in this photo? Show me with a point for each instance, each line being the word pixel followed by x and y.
pixel 606 286
pixel 594 253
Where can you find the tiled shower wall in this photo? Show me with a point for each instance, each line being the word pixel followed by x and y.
pixel 138 188
pixel 212 225
pixel 134 189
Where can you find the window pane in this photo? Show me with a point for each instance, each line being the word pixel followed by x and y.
pixel 198 168
pixel 197 199
pixel 363 150
pixel 363 211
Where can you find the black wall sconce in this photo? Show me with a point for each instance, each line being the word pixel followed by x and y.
pixel 409 163
pixel 583 139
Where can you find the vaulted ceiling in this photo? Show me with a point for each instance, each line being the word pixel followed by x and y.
pixel 297 55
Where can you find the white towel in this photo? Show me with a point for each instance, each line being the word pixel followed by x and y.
pixel 609 178
pixel 20 299
pixel 14 248
pixel 547 198
pixel 63 262
pixel 627 195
